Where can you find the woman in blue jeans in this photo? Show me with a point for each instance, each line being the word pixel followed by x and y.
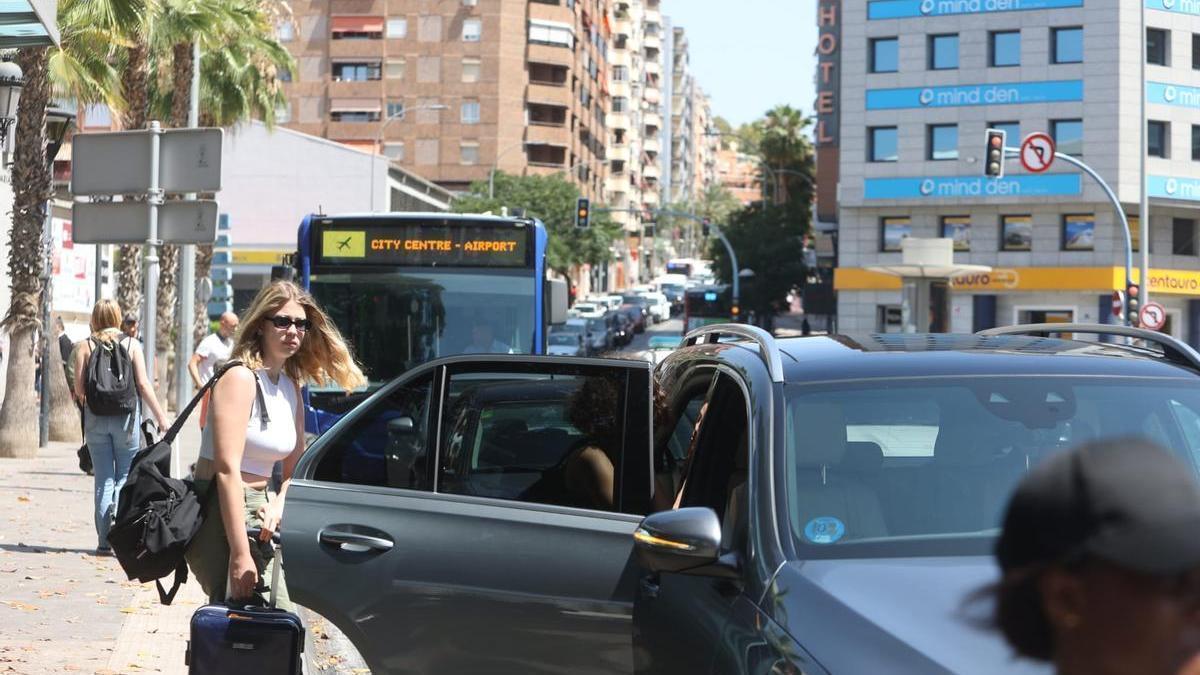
pixel 112 440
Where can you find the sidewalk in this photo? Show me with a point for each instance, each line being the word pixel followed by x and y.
pixel 65 609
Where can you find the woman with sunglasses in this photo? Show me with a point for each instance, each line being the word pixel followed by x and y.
pixel 255 420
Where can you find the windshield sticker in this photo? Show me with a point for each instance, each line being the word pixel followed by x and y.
pixel 824 530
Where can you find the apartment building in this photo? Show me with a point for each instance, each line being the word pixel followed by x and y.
pixel 451 89
pixel 691 165
pixel 905 92
pixel 636 59
pixel 738 173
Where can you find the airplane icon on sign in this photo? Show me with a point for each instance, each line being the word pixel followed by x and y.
pixel 344 244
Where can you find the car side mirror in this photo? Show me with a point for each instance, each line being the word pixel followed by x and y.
pixel 401 425
pixel 683 540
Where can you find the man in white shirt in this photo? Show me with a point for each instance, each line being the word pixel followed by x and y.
pixel 212 351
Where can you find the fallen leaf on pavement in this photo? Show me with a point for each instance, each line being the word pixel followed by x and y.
pixel 23 498
pixel 19 605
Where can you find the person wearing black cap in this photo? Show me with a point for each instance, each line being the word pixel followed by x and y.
pixel 1100 562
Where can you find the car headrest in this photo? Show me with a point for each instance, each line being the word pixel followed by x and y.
pixel 820 429
pixel 863 456
pixel 509 427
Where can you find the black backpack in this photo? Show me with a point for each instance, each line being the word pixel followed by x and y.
pixel 108 381
pixel 157 516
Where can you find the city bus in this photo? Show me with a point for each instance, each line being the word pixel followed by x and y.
pixel 407 288
pixel 704 305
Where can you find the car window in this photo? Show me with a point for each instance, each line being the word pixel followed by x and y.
pixel 932 461
pixel 673 444
pixel 550 439
pixel 718 474
pixel 386 445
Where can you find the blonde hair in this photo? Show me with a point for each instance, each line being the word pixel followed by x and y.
pixel 106 317
pixel 323 354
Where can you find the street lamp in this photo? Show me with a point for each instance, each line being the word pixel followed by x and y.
pixel 492 172
pixel 11 82
pixel 58 123
pixel 383 127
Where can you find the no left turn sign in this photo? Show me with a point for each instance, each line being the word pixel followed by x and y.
pixel 1037 152
pixel 1154 316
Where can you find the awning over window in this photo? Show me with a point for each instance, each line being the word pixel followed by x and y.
pixel 357 24
pixel 355 105
pixel 28 23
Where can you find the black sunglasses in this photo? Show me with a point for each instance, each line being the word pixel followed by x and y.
pixel 282 322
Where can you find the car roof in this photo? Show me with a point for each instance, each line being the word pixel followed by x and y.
pixel 869 356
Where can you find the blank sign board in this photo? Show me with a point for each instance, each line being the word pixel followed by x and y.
pixel 118 163
pixel 179 222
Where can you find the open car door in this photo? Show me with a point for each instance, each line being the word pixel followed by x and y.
pixel 475 515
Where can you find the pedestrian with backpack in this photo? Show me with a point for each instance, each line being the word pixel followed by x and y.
pixel 255 420
pixel 110 373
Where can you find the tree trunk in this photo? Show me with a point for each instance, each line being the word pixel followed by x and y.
pixel 204 257
pixel 31 189
pixel 64 414
pixel 168 270
pixel 181 84
pixel 134 89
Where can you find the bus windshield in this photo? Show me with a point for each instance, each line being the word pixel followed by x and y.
pixel 395 320
pixel 706 305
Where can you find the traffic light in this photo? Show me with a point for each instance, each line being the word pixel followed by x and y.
pixel 1132 304
pixel 705 228
pixel 582 212
pixel 993 165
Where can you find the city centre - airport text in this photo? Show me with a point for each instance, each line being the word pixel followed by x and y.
pixel 475 246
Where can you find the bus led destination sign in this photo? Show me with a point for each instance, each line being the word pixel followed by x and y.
pixel 424 245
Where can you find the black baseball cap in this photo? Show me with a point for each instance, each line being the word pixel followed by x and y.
pixel 1125 501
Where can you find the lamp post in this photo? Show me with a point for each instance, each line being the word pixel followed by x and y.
pixel 58 123
pixel 383 127
pixel 11 82
pixel 492 172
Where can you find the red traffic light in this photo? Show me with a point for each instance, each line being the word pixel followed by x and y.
pixel 997 141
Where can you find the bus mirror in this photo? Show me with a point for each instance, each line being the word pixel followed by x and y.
pixel 556 295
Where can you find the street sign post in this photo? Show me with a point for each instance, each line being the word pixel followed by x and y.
pixel 1154 316
pixel 149 163
pixel 1037 152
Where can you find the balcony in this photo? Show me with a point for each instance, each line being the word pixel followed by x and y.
pixel 622 25
pixel 652 96
pixel 618 153
pixel 618 88
pixel 651 145
pixel 652 42
pixel 548 135
pixel 653 67
pixel 652 119
pixel 340 49
pixel 652 15
pixel 551 54
pixel 549 95
pixel 618 121
pixel 356 89
pixel 650 171
pixel 355 7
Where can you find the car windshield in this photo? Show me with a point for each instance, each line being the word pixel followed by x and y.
pixel 565 339
pixel 596 325
pixel 925 466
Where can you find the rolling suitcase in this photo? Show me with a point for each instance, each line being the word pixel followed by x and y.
pixel 229 638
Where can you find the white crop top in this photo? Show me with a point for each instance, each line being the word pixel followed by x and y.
pixel 265 443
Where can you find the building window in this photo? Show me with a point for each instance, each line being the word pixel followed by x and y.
pixel 283 113
pixel 395 109
pixel 1196 142
pixel 472 29
pixel 1195 51
pixel 620 73
pixel 1079 232
pixel 1157 138
pixel 1016 233
pixel 284 74
pixel 470 112
pixel 394 150
pixel 1066 45
pixel 1067 135
pixel 1158 48
pixel 1135 232
pixel 883 144
pixel 1012 131
pixel 892 231
pixel 551 33
pixel 958 228
pixel 397 27
pixel 1004 48
pixel 470 69
pixel 356 72
pixel 1183 236
pixel 354 116
pixel 885 55
pixel 395 69
pixel 942 140
pixel 285 31
pixel 468 153
pixel 943 52
pixel 620 104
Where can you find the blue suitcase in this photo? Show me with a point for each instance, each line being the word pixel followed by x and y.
pixel 246 639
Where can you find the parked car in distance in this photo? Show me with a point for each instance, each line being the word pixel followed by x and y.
pixel 599 334
pixel 566 343
pixel 642 303
pixel 660 307
pixel 576 326
pixel 587 310
pixel 636 315
pixel 622 328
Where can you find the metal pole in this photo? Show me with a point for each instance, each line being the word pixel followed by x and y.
pixel 47 283
pixel 150 277
pixel 98 286
pixel 1144 206
pixel 187 271
pixel 733 261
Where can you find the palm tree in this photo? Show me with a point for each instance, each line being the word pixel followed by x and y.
pixel 31 188
pixel 785 145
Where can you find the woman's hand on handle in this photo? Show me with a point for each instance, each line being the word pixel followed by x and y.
pixel 243 576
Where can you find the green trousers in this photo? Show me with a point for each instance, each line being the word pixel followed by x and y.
pixel 208 554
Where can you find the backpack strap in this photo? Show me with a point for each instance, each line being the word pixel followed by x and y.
pixel 261 400
pixel 181 576
pixel 169 437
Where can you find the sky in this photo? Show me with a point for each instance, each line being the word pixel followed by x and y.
pixel 750 55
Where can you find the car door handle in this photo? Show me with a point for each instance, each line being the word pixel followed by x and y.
pixel 349 541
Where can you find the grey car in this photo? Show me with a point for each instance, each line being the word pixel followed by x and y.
pixel 842 498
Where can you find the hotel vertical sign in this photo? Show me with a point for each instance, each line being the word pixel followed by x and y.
pixel 828 106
